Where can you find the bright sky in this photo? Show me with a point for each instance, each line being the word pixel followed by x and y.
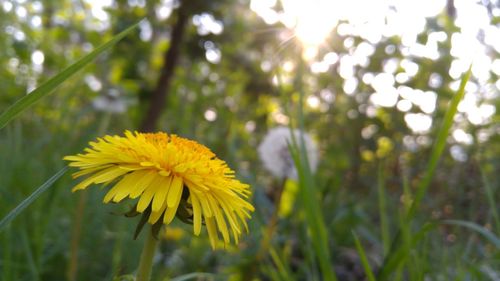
pixel 312 21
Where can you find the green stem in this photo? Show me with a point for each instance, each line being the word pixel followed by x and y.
pixel 71 274
pixel 272 223
pixel 384 224
pixel 146 262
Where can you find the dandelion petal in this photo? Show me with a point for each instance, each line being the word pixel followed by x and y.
pixel 212 232
pixel 148 194
pixel 196 214
pixel 142 184
pixel 164 188
pixel 175 193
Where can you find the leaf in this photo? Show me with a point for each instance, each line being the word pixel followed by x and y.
pixel 50 85
pixel 26 202
pixel 142 222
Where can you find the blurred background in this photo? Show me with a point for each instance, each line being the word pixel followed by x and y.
pixel 373 80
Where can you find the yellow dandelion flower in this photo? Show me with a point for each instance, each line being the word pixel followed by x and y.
pixel 169 176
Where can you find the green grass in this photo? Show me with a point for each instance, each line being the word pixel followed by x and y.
pixel 32 197
pixel 50 85
pixel 404 240
pixel 308 191
pixel 364 259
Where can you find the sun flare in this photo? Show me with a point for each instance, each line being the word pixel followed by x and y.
pixel 311 20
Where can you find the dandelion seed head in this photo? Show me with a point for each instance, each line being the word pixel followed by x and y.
pixel 274 154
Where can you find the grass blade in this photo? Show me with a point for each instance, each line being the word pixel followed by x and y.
pixel 281 265
pixel 491 199
pixel 314 216
pixel 439 145
pixel 477 228
pixel 307 189
pixel 382 206
pixel 29 257
pixel 437 151
pixel 399 255
pixel 194 275
pixel 26 202
pixel 364 260
pixel 50 85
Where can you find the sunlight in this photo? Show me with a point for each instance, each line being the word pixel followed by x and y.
pixel 418 122
pixel 313 102
pixel 312 21
pixel 98 8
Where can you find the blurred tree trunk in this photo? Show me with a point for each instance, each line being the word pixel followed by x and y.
pixel 48 12
pixel 450 9
pixel 159 96
pixel 353 180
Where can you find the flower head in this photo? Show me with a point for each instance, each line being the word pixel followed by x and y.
pixel 169 176
pixel 274 153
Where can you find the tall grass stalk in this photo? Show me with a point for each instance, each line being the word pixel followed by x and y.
pixel 486 233
pixel 118 249
pixel 364 259
pixel 407 194
pixel 382 206
pixel 307 189
pixel 490 195
pixel 76 233
pixel 439 145
pixel 35 274
pixel 7 260
pixel 272 224
pixel 284 271
pixel 195 276
pixel 32 197
pixel 72 272
pixel 397 252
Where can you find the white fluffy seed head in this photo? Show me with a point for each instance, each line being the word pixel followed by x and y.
pixel 274 154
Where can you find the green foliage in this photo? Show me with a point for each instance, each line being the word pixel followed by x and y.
pixel 437 150
pixel 439 145
pixel 480 229
pixel 49 86
pixel 26 202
